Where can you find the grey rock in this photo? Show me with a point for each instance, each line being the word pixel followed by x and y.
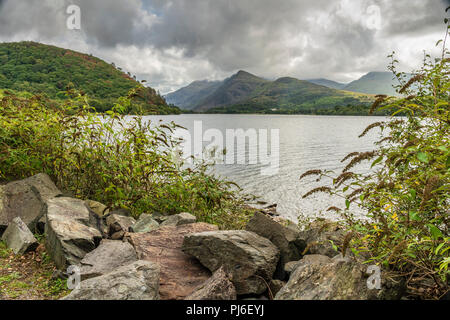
pixel 98 208
pixel 179 219
pixel 287 240
pixel 290 267
pixel 107 257
pixel 117 223
pixel 25 199
pixel 118 235
pixel 69 233
pixel 218 287
pixel 145 223
pixel 19 238
pixel 250 259
pixel 319 277
pixel 136 281
pixel 319 235
pixel 310 258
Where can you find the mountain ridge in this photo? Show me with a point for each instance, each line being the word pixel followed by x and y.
pixel 245 92
pixel 372 83
pixel 328 83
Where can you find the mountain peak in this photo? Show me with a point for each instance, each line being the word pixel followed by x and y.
pixel 244 74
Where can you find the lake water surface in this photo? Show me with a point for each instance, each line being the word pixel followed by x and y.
pixel 305 143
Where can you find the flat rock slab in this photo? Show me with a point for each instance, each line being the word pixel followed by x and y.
pixel 181 274
pixel 19 238
pixel 249 258
pixel 25 199
pixel 107 257
pixel 136 281
pixel 69 233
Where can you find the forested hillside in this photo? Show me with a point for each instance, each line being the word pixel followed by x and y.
pixel 47 70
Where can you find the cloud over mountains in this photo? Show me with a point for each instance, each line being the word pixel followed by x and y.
pixel 173 42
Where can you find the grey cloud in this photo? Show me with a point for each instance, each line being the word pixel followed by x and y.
pixel 173 42
pixel 230 34
pixel 417 17
pixel 104 23
pixel 40 17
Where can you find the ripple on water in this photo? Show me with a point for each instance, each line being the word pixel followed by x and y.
pixel 306 142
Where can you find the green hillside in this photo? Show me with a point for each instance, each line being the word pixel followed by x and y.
pixel 187 98
pixel 47 70
pixel 374 83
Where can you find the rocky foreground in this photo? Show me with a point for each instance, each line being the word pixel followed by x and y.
pixel 175 257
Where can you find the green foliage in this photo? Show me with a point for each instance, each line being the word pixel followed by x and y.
pixel 49 71
pixel 123 162
pixel 406 193
pixel 4 252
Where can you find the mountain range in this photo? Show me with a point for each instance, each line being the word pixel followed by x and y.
pixel 244 92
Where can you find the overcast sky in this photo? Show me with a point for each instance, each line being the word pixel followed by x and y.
pixel 171 43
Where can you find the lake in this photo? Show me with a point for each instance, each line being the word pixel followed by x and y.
pixel 305 142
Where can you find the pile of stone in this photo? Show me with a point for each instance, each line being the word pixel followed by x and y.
pixel 174 257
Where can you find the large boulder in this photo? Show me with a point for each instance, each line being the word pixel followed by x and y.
pixel 19 238
pixel 145 223
pixel 287 240
pixel 320 237
pixel 250 259
pixel 107 257
pixel 70 235
pixel 136 281
pixel 218 287
pixel 319 277
pixel 25 199
pixel 181 274
pixel 118 225
pixel 179 219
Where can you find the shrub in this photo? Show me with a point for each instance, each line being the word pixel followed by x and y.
pixel 122 161
pixel 406 192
